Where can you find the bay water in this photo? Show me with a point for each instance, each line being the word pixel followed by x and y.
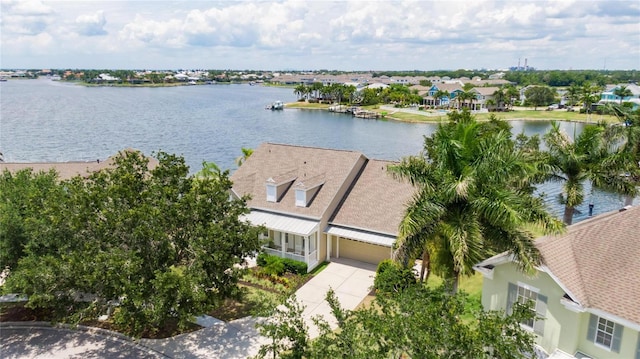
pixel 52 121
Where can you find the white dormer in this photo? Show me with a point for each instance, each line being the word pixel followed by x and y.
pixel 278 185
pixel 307 188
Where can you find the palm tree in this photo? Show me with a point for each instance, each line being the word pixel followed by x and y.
pixel 512 95
pixel 473 200
pixel 631 145
pixel 499 97
pixel 622 92
pixel 573 93
pixel 593 156
pixel 246 152
pixel 439 95
pixel 300 91
pixel 589 95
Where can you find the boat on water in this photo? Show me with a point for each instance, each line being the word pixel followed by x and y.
pixel 276 105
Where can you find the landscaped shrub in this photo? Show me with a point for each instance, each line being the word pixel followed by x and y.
pixel 268 262
pixel 274 266
pixel 261 260
pixel 295 267
pixel 391 277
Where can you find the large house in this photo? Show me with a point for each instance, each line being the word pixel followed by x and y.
pixel 608 95
pixel 317 204
pixel 586 294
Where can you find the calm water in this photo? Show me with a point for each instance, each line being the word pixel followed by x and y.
pixel 43 120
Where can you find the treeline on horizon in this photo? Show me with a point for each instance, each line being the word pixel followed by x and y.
pixel 553 78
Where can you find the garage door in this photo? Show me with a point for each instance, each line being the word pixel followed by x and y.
pixel 363 252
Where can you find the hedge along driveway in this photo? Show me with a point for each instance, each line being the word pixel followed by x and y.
pixel 351 281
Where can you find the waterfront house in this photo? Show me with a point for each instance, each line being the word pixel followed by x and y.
pixel 608 96
pixel 586 293
pixel 453 89
pixel 320 203
pixel 365 225
pixel 483 94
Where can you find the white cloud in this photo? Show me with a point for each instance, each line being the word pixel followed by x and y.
pixel 339 34
pixel 91 25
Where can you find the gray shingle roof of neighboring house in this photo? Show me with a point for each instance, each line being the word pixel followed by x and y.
pixel 449 87
pixel 66 170
pixel 307 166
pixel 376 202
pixel 598 261
pixel 485 91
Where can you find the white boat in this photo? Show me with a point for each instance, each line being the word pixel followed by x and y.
pixel 276 105
pixel 56 78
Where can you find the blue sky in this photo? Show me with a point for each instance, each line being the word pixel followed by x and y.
pixel 312 35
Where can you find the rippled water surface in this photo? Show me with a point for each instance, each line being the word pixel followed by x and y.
pixel 43 120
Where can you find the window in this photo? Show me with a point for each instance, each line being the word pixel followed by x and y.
pixel 301 198
pixel 271 193
pixel 528 298
pixel 604 333
pixel 531 297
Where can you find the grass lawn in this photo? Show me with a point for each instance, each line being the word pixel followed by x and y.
pixel 518 114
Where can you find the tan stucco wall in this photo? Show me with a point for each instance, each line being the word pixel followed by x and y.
pixel 564 329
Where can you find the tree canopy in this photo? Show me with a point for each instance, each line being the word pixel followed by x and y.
pixel 416 323
pixel 148 245
pixel 474 199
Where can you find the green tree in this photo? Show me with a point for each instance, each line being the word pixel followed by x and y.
pixel 499 96
pixel 592 156
pixel 589 94
pixel 246 153
pixel 539 96
pixel 439 95
pixel 474 199
pixel 287 332
pixel 155 244
pixel 23 199
pixel 512 95
pixel 573 92
pixel 416 323
pixel 622 92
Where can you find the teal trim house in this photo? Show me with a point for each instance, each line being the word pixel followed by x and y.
pixel 586 293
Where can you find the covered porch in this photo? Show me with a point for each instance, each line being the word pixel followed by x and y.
pixel 288 237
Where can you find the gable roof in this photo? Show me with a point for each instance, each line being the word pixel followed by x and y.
pixel 485 91
pixel 450 88
pixel 376 202
pixel 307 166
pixel 598 260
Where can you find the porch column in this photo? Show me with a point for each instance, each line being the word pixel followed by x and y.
pixel 283 244
pixel 306 249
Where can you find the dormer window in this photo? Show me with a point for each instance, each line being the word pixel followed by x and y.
pixel 301 198
pixel 307 188
pixel 271 193
pixel 278 185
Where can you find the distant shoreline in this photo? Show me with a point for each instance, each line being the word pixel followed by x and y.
pixel 518 114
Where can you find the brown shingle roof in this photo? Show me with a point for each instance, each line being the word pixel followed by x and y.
pixel 376 202
pixel 307 164
pixel 66 170
pixel 598 261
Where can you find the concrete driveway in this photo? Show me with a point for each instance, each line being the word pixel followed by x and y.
pixel 350 280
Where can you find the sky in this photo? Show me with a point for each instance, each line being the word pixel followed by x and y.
pixel 313 35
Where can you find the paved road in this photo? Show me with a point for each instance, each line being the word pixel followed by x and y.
pixel 351 281
pixel 23 342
